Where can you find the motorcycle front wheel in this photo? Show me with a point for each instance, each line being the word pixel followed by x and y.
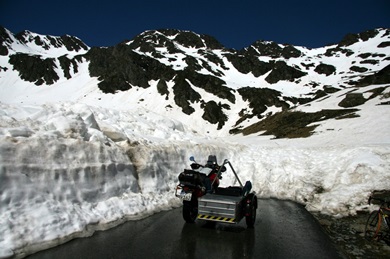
pixel 190 211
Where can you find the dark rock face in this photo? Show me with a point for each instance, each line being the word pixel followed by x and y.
pixel 384 44
pixel 213 113
pixel 355 99
pixel 162 88
pixel 350 39
pixel 122 67
pixel 260 98
pixel 4 40
pixel 34 68
pixel 211 84
pixel 380 77
pixel 281 71
pixel 337 50
pixel 325 69
pixel 67 63
pixel 39 70
pixel 119 68
pixel 247 63
pixel 358 69
pixel 185 94
pixel 72 43
pixel 352 100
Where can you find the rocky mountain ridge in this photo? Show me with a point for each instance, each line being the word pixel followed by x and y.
pixel 234 89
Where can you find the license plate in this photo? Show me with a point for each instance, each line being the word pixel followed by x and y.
pixel 186 196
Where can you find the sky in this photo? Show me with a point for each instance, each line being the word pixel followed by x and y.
pixel 236 24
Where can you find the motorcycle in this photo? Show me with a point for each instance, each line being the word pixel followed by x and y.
pixel 195 183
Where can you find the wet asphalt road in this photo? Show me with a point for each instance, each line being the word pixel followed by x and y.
pixel 283 229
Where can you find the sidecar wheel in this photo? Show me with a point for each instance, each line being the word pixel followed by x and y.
pixel 251 218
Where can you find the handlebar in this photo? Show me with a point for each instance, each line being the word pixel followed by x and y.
pixel 219 168
pixel 196 166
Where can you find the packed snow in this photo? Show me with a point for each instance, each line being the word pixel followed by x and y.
pixel 74 160
pixel 68 169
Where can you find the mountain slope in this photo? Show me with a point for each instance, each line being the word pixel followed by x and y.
pixel 193 77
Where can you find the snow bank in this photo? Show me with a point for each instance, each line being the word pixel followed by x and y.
pixel 69 169
pixel 333 180
pixel 66 171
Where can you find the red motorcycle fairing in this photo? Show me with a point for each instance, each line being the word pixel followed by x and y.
pixel 213 178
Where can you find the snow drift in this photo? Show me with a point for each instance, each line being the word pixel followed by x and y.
pixel 70 169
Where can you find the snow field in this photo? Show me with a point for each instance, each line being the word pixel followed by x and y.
pixel 70 169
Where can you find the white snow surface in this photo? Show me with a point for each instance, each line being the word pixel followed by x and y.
pixel 69 169
pixel 74 160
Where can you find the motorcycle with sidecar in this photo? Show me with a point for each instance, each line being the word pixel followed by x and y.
pixel 204 199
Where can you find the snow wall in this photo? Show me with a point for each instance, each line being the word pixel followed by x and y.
pixel 67 172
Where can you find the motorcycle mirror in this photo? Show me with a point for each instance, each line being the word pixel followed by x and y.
pixel 192 159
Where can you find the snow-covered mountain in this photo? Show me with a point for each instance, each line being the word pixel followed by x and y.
pixel 194 76
pixel 91 137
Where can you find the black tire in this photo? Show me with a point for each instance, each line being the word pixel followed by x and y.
pixel 190 211
pixel 251 218
pixel 371 231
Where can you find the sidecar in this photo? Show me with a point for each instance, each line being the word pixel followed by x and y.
pixel 224 204
pixel 229 205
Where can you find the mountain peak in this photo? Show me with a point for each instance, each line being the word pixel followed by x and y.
pixel 33 43
pixel 172 38
pixel 46 42
pixel 273 50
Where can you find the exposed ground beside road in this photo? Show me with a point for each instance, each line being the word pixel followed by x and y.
pixel 348 235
